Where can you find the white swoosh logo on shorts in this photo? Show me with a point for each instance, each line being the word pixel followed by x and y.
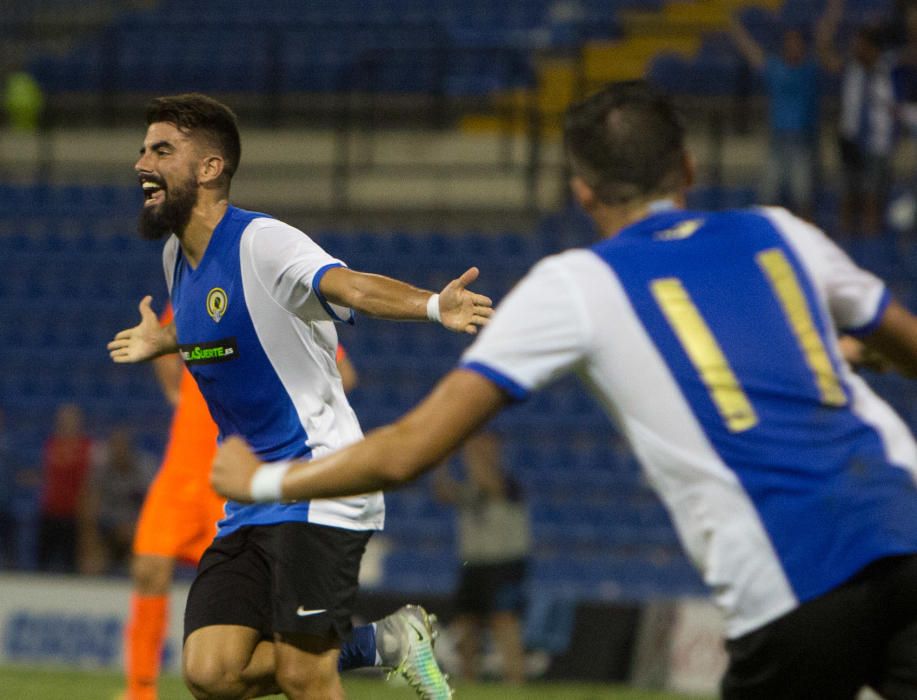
pixel 302 612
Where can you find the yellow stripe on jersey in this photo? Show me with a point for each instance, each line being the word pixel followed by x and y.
pixel 705 354
pixel 786 288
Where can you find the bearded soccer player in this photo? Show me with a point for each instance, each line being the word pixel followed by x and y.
pixel 178 519
pixel 254 301
pixel 710 338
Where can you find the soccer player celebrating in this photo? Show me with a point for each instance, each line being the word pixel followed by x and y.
pixel 254 303
pixel 710 339
pixel 178 522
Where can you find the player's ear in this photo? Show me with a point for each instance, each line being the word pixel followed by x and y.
pixel 210 169
pixel 583 193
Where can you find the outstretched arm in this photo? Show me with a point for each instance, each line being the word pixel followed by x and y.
pixel 459 308
pixel 746 44
pixel 144 341
pixel 389 456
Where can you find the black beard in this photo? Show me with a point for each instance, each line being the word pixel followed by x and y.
pixel 171 216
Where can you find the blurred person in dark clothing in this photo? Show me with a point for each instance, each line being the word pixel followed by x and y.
pixel 902 211
pixel 8 469
pixel 64 470
pixel 110 502
pixel 494 543
pixel 866 133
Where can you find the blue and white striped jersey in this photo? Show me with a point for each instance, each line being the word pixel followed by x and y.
pixel 710 339
pixel 259 338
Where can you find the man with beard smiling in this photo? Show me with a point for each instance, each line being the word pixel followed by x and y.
pixel 254 302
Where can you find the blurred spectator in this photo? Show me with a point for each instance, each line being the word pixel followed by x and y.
pixel 867 122
pixel 896 30
pixel 903 211
pixel 8 469
pixel 791 78
pixel 66 464
pixel 110 502
pixel 494 543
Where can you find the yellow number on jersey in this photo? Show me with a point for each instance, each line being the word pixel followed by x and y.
pixel 705 354
pixel 786 288
pixel 711 364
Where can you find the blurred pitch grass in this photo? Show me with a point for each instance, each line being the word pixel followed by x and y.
pixel 38 683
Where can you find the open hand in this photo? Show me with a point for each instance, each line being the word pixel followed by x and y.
pixel 144 341
pixel 461 309
pixel 233 467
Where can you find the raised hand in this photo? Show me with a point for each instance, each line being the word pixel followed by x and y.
pixel 144 341
pixel 461 309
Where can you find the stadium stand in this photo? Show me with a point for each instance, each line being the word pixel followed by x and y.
pixel 74 271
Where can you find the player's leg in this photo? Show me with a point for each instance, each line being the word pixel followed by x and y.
pixel 228 649
pixel 897 676
pixel 315 585
pixel 405 643
pixel 826 648
pixel 313 577
pixel 228 661
pixel 307 667
pixel 147 623
pixel 361 650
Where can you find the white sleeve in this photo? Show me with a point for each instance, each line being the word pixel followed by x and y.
pixel 538 332
pixel 856 298
pixel 290 266
pixel 169 256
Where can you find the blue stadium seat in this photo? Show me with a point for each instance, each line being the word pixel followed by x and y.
pixel 599 533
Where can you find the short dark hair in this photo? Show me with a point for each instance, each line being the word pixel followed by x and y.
pixel 626 141
pixel 196 113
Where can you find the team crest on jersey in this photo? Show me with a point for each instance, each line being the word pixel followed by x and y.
pixel 680 231
pixel 216 303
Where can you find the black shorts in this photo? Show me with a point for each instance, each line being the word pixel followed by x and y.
pixel 489 588
pixel 862 633
pixel 293 578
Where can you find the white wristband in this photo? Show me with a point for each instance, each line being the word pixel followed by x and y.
pixel 433 308
pixel 267 481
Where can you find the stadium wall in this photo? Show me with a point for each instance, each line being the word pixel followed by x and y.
pixel 74 621
pixel 78 622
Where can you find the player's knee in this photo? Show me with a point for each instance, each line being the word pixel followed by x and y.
pixel 151 575
pixel 208 678
pixel 309 681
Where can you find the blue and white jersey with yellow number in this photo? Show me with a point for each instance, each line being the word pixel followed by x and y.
pixel 710 339
pixel 259 338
